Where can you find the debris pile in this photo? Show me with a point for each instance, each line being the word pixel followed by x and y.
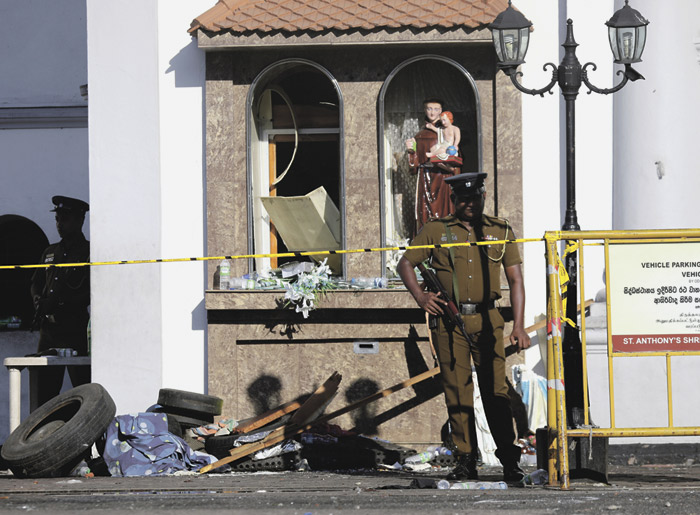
pixel 179 433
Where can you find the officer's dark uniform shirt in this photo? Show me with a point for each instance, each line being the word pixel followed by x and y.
pixel 470 262
pixel 69 287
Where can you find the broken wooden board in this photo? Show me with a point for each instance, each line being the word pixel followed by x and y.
pixel 321 398
pixel 251 424
pixel 315 404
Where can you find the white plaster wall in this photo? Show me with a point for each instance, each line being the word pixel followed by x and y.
pixel 146 188
pixel 544 136
pixel 38 164
pixel 44 53
pixel 44 68
pixel 541 150
pixel 183 211
pixel 657 120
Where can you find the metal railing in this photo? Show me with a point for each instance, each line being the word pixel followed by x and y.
pixel 559 430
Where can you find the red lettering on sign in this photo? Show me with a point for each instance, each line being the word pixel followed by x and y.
pixel 656 343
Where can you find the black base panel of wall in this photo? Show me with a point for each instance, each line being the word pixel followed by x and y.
pixel 319 316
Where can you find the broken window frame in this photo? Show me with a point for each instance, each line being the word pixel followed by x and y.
pixel 257 167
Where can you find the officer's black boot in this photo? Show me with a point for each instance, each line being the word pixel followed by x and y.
pixel 510 459
pixel 465 469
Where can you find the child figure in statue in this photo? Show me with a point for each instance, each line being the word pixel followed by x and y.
pixel 449 136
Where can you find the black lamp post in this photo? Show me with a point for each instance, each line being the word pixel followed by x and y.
pixel 627 34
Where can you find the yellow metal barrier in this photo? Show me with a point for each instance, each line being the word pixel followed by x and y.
pixel 559 432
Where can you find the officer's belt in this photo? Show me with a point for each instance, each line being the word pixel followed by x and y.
pixel 471 309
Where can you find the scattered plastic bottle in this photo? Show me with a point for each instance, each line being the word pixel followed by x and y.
pixel 241 283
pixel 237 283
pixel 224 274
pixel 369 282
pixel 443 484
pixel 251 281
pixel 538 477
pixel 439 451
pixel 423 457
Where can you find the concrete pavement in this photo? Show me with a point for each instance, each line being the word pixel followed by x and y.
pixel 667 489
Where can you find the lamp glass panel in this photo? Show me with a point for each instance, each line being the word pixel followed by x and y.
pixel 612 36
pixel 641 41
pixel 627 37
pixel 496 34
pixel 511 42
pixel 524 42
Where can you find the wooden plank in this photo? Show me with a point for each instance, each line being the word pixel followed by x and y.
pixel 267 417
pixel 318 400
pixel 283 433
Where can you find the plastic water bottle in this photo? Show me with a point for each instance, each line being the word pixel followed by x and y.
pixel 423 457
pixel 237 283
pixel 439 451
pixel 443 484
pixel 251 281
pixel 477 485
pixel 369 282
pixel 224 274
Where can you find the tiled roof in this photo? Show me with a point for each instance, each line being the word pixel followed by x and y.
pixel 239 16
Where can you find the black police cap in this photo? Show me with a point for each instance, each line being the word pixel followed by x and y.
pixel 73 205
pixel 466 184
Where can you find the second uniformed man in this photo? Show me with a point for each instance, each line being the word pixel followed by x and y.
pixel 62 296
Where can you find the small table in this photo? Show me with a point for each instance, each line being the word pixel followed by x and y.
pixel 15 366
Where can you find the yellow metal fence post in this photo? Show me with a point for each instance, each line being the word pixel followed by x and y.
pixel 555 380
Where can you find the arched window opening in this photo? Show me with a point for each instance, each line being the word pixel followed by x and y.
pixel 401 117
pixel 21 243
pixel 296 189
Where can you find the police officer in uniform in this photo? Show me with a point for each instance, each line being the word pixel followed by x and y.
pixel 62 296
pixel 471 276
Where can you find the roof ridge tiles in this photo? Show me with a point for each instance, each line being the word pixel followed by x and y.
pixel 343 15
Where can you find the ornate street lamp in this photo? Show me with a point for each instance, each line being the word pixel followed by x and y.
pixel 627 34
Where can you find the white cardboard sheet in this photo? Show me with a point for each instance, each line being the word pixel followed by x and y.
pixel 307 222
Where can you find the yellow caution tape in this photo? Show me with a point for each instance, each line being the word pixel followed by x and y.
pixel 283 254
pixel 571 246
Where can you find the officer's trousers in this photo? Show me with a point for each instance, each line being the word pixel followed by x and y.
pixel 73 336
pixel 488 355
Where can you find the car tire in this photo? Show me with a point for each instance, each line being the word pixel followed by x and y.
pixel 53 439
pixel 220 446
pixel 174 427
pixel 189 417
pixel 187 422
pixel 190 401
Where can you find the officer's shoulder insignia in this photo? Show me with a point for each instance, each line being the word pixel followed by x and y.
pixel 494 220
